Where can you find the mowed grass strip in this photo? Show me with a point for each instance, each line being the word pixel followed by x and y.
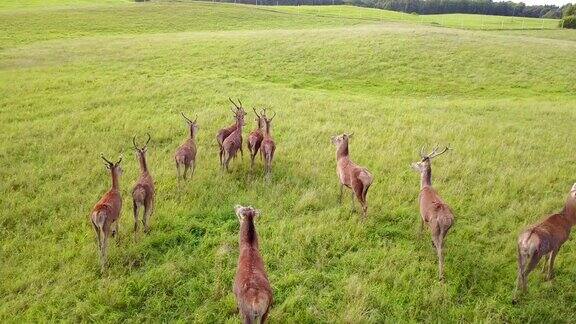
pixel 396 86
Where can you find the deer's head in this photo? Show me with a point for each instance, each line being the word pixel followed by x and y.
pixel 239 112
pixel 426 159
pixel 246 212
pixel 113 167
pixel 192 124
pixel 260 119
pixel 340 140
pixel 141 151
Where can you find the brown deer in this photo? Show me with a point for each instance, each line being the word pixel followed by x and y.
pixel 256 136
pixel 433 210
pixel 143 191
pixel 351 175
pixel 106 213
pixel 251 285
pixel 544 240
pixel 225 132
pixel 186 153
pixel 268 145
pixel 233 142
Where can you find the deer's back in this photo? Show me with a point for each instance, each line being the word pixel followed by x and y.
pixel 144 188
pixel 553 231
pixel 251 285
pixel 348 170
pixel 224 133
pixel 268 145
pixel 110 205
pixel 233 141
pixel 434 209
pixel 255 138
pixel 186 152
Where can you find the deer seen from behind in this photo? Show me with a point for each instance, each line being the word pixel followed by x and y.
pixel 268 146
pixel 351 175
pixel 143 191
pixel 186 153
pixel 433 210
pixel 251 286
pixel 233 143
pixel 544 240
pixel 256 136
pixel 106 213
pixel 226 131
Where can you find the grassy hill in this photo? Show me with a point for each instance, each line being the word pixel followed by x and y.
pixel 78 79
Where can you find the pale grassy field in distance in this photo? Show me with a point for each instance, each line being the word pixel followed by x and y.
pixel 78 79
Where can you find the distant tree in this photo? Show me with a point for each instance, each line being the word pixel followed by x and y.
pixel 569 22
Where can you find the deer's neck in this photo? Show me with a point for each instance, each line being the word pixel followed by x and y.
pixel 342 151
pixel 267 129
pixel 238 126
pixel 248 232
pixel 115 180
pixel 143 163
pixel 570 210
pixel 192 134
pixel 426 178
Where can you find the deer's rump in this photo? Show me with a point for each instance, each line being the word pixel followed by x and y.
pixel 253 294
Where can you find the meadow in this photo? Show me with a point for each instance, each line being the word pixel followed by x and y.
pixel 78 78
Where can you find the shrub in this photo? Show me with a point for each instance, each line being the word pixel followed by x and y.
pixel 569 22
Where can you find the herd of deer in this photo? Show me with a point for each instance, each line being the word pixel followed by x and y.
pixel 251 285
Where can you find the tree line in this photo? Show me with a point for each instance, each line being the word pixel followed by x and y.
pixel 426 7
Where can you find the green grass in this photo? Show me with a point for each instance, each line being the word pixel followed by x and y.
pixel 72 88
pixel 464 21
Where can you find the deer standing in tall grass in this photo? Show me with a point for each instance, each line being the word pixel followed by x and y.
pixel 143 191
pixel 225 132
pixel 433 210
pixel 544 240
pixel 351 175
pixel 268 146
pixel 186 153
pixel 106 213
pixel 251 285
pixel 256 136
pixel 233 143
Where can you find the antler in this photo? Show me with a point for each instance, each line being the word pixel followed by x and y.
pixel 105 159
pixel 273 116
pixel 255 112
pixel 134 142
pixel 188 119
pixel 195 119
pixel 240 102
pixel 120 160
pixel 434 152
pixel 148 140
pixel 235 105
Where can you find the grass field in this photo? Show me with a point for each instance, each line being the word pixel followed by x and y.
pixel 463 21
pixel 77 79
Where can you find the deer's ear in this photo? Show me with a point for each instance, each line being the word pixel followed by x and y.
pixel 256 213
pixel 238 211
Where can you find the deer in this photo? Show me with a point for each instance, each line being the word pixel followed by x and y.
pixel 268 145
pixel 106 213
pixel 143 191
pixel 544 240
pixel 255 137
pixel 186 153
pixel 225 132
pixel 233 143
pixel 251 286
pixel 351 175
pixel 433 210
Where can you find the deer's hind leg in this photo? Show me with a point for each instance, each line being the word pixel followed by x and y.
pixel 551 264
pixel 136 209
pixel 148 209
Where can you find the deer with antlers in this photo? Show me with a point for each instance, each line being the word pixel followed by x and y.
pixel 186 153
pixel 143 191
pixel 268 145
pixel 351 175
pixel 256 136
pixel 544 240
pixel 223 133
pixel 251 286
pixel 433 210
pixel 233 143
pixel 106 213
